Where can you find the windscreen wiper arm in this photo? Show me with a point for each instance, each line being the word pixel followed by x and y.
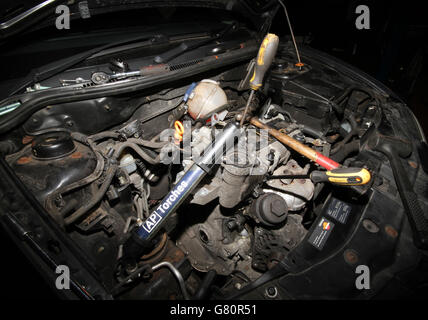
pixel 56 67
pixel 187 46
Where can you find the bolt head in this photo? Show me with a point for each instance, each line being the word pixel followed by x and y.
pixel 277 208
pixel 271 292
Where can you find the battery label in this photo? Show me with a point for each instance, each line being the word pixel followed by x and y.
pixel 339 210
pixel 321 233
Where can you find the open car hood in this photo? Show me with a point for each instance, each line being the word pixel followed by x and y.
pixel 30 13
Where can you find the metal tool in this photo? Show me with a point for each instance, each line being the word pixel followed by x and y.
pixel 143 236
pixel 299 64
pixel 264 59
pixel 299 147
pixel 339 176
pixel 101 77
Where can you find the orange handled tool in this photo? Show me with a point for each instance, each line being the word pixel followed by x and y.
pixel 306 151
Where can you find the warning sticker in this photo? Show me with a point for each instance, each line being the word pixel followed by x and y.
pixel 321 233
pixel 339 210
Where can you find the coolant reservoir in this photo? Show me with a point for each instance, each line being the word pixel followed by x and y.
pixel 206 98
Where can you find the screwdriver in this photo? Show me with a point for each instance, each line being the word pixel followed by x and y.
pixel 340 176
pixel 264 59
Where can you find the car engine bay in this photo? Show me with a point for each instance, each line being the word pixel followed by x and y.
pixel 102 168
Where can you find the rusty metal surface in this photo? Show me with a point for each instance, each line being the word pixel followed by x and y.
pixel 44 177
pixel 162 284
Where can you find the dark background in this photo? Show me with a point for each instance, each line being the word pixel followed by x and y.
pixel 394 51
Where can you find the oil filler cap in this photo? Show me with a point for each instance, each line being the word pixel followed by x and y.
pixel 52 145
pixel 270 209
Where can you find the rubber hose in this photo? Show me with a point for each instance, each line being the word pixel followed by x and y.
pixel 147 143
pixel 346 150
pixel 138 150
pixel 111 171
pixel 205 285
pixel 103 135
